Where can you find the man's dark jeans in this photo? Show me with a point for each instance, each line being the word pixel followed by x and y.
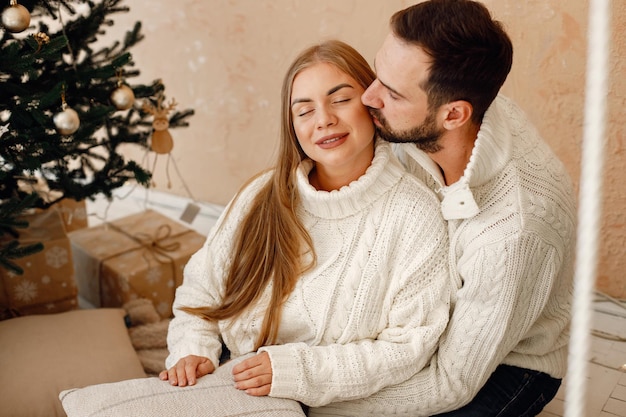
pixel 510 392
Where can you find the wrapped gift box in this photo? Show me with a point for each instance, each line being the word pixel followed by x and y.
pixel 74 213
pixel 47 285
pixel 138 256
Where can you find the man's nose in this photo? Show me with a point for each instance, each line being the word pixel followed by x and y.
pixel 370 97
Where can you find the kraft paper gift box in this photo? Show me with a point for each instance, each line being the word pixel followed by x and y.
pixel 138 256
pixel 47 285
pixel 74 213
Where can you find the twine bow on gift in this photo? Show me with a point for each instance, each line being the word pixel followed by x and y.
pixel 154 243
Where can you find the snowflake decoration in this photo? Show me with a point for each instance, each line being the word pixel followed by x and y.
pixel 57 256
pixel 163 308
pixel 80 213
pixel 32 105
pixel 123 284
pixel 25 291
pixel 154 275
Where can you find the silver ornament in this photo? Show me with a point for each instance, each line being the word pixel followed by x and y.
pixel 15 18
pixel 123 97
pixel 66 121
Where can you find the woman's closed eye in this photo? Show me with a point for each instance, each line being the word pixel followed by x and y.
pixel 342 100
pixel 304 112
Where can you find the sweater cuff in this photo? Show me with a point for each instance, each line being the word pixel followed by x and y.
pixel 179 352
pixel 286 371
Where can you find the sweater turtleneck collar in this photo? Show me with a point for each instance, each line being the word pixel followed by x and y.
pixel 492 149
pixel 383 173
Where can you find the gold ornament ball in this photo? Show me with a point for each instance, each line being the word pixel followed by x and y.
pixel 123 97
pixel 15 18
pixel 66 121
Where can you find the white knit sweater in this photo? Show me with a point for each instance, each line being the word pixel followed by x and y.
pixel 368 315
pixel 511 220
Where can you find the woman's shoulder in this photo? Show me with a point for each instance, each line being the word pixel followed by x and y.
pixel 414 207
pixel 407 192
pixel 411 188
pixel 414 196
pixel 251 188
pixel 240 203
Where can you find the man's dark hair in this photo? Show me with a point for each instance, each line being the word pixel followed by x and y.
pixel 470 51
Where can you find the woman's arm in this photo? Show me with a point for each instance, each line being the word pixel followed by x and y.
pixel 419 284
pixel 190 336
pixel 195 343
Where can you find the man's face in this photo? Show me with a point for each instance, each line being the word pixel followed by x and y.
pixel 396 99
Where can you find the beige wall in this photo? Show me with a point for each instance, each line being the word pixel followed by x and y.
pixel 225 59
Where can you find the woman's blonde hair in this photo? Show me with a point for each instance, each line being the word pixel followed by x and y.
pixel 270 241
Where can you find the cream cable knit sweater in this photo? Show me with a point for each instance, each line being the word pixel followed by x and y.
pixel 511 221
pixel 368 315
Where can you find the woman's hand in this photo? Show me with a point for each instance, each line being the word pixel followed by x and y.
pixel 254 375
pixel 187 370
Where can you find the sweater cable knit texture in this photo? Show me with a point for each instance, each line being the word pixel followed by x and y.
pixel 513 265
pixel 368 315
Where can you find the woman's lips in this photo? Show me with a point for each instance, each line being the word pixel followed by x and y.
pixel 331 141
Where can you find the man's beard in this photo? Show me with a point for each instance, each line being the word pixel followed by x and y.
pixel 425 136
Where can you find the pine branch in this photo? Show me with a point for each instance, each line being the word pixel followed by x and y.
pixel 35 76
pixel 11 209
pixel 12 250
pixel 9 222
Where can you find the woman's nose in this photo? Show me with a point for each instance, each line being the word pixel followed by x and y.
pixel 325 117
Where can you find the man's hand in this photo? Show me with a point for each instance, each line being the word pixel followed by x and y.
pixel 187 370
pixel 254 375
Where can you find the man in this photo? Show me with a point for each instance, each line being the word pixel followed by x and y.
pixel 510 211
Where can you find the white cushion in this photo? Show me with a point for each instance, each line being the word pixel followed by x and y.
pixel 213 395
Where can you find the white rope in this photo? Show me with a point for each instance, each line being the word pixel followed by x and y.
pixel 590 207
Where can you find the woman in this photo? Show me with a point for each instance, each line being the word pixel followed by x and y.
pixel 332 266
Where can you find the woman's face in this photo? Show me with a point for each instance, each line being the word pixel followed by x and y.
pixel 333 127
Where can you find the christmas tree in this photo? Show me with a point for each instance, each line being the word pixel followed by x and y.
pixel 66 108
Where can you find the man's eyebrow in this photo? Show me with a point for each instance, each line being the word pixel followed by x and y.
pixel 391 89
pixel 328 93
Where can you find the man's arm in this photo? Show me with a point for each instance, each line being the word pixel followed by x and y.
pixel 506 287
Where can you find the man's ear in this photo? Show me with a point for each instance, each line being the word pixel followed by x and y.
pixel 456 114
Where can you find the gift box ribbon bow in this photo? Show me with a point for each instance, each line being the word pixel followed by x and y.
pixel 155 244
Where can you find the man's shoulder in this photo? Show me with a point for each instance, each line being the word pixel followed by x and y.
pixel 526 199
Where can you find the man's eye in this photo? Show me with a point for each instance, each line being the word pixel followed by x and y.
pixel 342 100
